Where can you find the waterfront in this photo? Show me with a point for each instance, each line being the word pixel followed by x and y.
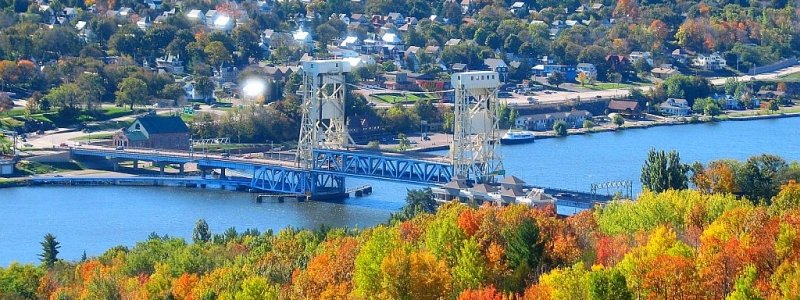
pixel 97 218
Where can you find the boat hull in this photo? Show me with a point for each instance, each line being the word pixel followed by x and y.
pixel 516 141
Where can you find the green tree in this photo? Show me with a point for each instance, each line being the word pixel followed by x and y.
pixel 470 269
pixel 217 54
pixel 745 286
pixel 201 233
pixel 131 91
pixel 773 106
pixel 618 120
pixel 556 78
pixel 404 144
pixel 588 124
pixel 707 105
pixel 367 273
pixel 205 86
pixel 50 251
pixel 608 285
pixel 663 171
pixel 760 177
pixel 524 247
pixel 560 128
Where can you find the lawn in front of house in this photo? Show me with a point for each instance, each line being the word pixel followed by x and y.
pixel 790 77
pixel 602 86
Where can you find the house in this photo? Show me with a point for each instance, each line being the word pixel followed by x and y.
pixel 144 23
pixel 459 68
pixel 225 73
pixel 351 42
pixel 588 69
pixel 597 6
pixel 680 55
pixel 452 42
pixel 628 108
pixel 125 12
pixel 713 61
pixel 618 63
pixel 196 15
pixel 499 66
pixel 637 56
pixel 664 71
pixel 541 122
pixel 223 23
pixel 153 131
pixel 518 8
pixel 303 38
pixel 170 64
pixel 769 95
pixel 675 107
pixel 569 72
pixel 728 101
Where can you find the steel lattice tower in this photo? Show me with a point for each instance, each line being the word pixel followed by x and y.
pixel 324 123
pixel 474 149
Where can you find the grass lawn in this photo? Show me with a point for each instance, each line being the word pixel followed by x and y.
pixel 32 168
pixel 393 98
pixel 97 136
pixel 17 117
pixel 791 77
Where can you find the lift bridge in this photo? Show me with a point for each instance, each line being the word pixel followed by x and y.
pixel 326 154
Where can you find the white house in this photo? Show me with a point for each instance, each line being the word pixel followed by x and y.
pixel 676 107
pixel 636 56
pixel 714 61
pixel 196 15
pixel 588 69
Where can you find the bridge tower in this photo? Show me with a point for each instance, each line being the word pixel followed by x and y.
pixel 324 123
pixel 475 142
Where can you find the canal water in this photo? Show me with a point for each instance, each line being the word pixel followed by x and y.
pixel 93 219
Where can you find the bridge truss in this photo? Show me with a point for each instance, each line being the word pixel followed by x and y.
pixel 381 166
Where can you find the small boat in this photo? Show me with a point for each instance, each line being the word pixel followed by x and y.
pixel 517 137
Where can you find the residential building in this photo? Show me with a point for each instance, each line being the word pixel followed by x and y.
pixel 543 122
pixel 713 61
pixel 627 108
pixel 569 72
pixel 676 107
pixel 728 101
pixel 156 132
pixel 636 56
pixel 170 64
pixel 588 69
pixel 196 15
pixel 664 71
pixel 499 66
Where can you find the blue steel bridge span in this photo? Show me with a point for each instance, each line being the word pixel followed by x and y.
pixel 325 179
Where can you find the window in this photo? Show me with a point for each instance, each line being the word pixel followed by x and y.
pixel 138 126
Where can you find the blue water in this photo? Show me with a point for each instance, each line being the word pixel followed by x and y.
pixel 93 219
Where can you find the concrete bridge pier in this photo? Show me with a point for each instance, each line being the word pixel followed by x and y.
pixel 181 169
pixel 222 173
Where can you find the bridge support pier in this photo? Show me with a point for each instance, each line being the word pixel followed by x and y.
pixel 222 173
pixel 202 173
pixel 180 169
pixel 135 164
pixel 115 165
pixel 161 169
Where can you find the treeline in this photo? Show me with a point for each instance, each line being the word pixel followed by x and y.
pixel 677 244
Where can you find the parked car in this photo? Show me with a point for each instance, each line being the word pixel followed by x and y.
pixel 120 148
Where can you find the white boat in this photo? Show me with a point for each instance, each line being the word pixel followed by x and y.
pixel 517 137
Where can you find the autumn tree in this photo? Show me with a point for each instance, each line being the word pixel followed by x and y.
pixel 607 285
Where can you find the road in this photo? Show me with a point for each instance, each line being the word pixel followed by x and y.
pixel 763 76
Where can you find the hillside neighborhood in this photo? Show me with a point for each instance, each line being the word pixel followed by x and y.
pixel 69 63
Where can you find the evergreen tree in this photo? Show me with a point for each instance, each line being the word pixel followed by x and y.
pixel 50 248
pixel 201 233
